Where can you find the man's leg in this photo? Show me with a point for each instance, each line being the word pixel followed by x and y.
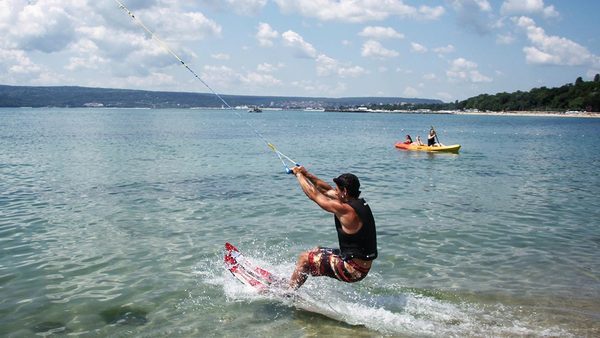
pixel 300 273
pixel 302 269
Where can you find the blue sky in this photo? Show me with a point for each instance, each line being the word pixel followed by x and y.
pixel 448 49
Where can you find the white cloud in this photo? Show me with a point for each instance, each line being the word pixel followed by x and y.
pixel 429 76
pixel 220 56
pixel 110 42
pixel 444 50
pixel 326 65
pixel 554 50
pixel 269 68
pixel 6 13
pixel 463 70
pixel 71 36
pixel 320 88
pixel 505 39
pixel 358 10
pixel 183 26
pixel 329 66
pixel 379 33
pixel 58 23
pixel 242 7
pixel 15 62
pixel 220 76
pixel 550 12
pixel 260 80
pixel 91 62
pixel 42 26
pixel 265 34
pixel 513 7
pixel 417 48
pixel 481 5
pixel 50 78
pixel 410 92
pixel 128 53
pixel 403 71
pixel 225 78
pixel 431 13
pixel 247 7
pixel 86 55
pixel 351 71
pixel 85 46
pixel 374 49
pixel 17 67
pixel 302 48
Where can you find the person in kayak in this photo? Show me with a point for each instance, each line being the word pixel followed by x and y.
pixel 355 228
pixel 431 138
pixel 418 141
pixel 408 140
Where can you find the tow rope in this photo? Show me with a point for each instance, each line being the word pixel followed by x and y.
pixel 279 154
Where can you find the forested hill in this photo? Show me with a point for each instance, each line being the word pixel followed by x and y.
pixel 581 95
pixel 25 96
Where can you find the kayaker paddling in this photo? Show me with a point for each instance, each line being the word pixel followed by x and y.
pixel 431 139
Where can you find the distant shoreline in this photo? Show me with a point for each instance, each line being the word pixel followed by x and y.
pixel 579 114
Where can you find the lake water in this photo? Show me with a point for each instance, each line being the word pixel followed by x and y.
pixel 112 223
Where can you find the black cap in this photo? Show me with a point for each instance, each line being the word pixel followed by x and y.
pixel 350 182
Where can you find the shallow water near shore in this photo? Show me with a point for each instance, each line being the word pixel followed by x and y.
pixel 112 223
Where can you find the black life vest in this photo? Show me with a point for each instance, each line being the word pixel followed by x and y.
pixel 362 244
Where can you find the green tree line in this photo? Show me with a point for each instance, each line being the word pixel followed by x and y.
pixel 581 95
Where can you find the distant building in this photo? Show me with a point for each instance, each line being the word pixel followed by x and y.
pixel 93 104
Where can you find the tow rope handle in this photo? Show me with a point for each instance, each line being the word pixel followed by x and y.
pixel 281 157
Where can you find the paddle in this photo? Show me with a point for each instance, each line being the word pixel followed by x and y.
pixel 436 136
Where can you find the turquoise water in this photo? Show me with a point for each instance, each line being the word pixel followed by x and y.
pixel 112 223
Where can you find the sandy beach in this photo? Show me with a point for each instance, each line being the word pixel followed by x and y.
pixel 533 113
pixel 572 113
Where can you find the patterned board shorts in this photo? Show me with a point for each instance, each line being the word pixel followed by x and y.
pixel 328 262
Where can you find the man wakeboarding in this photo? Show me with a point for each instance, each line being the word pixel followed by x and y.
pixel 355 228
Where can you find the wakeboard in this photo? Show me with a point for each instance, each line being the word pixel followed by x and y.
pixel 248 273
pixel 269 284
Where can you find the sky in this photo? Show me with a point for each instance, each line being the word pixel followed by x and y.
pixel 447 49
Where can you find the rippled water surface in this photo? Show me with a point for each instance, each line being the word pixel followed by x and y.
pixel 112 223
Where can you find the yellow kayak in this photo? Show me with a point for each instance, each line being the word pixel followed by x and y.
pixel 448 149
